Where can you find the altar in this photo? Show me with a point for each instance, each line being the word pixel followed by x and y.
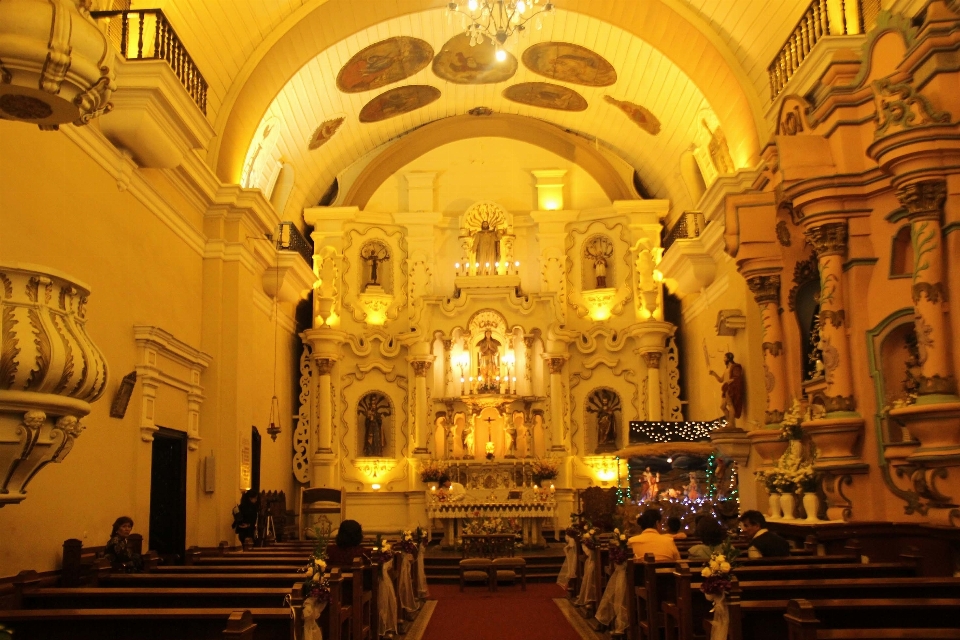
pixel 528 514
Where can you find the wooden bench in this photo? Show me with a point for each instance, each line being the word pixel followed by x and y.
pixel 205 579
pixel 156 597
pixel 921 618
pixel 86 564
pixel 148 624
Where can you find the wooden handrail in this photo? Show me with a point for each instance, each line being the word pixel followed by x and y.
pixel 136 41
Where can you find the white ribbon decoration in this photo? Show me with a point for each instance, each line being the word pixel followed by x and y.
pixel 311 613
pixel 387 601
pixel 569 569
pixel 588 587
pixel 422 591
pixel 721 616
pixel 407 598
pixel 615 604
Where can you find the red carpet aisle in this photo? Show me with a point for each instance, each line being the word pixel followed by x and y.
pixel 508 614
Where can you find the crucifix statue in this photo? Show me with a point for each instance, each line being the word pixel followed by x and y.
pixel 490 446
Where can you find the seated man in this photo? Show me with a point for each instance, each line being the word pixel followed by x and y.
pixel 763 543
pixel 451 491
pixel 673 528
pixel 651 540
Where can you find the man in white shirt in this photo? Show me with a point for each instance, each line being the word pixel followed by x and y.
pixel 452 491
pixel 651 540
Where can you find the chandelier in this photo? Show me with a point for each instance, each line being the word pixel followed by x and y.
pixel 498 19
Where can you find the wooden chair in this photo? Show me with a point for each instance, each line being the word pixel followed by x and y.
pixel 319 501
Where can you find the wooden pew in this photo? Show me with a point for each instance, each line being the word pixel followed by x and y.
pixel 872 619
pixel 205 579
pixel 85 564
pixel 167 598
pixel 245 561
pixel 177 569
pixel 147 624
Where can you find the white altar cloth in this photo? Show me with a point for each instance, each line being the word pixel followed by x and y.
pixel 530 513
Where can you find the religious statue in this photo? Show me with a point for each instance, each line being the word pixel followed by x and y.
pixel 467 439
pixel 486 248
pixel 605 404
pixel 489 349
pixel 599 251
pixel 374 256
pixel 373 408
pixel 692 490
pixel 731 387
pixel 510 436
pixel 523 434
pixel 653 485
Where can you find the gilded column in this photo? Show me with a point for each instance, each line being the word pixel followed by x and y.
pixel 766 291
pixel 324 406
pixel 420 403
pixel 556 402
pixel 829 240
pixel 654 393
pixel 924 202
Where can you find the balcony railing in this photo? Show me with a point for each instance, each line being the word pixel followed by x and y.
pixel 146 34
pixel 289 238
pixel 690 225
pixel 822 18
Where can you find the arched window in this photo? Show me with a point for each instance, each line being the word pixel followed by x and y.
pixel 901 254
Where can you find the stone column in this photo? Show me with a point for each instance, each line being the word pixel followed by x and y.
pixel 766 291
pixel 556 402
pixel 829 240
pixel 324 406
pixel 420 403
pixel 924 202
pixel 654 393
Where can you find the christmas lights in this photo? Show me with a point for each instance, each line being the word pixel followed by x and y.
pixel 643 431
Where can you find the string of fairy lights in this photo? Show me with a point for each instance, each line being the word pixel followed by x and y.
pixel 646 431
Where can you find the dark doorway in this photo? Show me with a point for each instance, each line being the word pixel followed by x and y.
pixel 168 493
pixel 255 460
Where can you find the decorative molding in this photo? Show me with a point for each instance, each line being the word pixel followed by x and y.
pixel 923 200
pixel 804 271
pixel 730 321
pixel 900 107
pixel 828 239
pixel 153 346
pixel 303 432
pixel 765 288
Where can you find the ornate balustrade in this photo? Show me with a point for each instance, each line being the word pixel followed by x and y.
pixel 822 18
pixel 289 238
pixel 690 225
pixel 146 34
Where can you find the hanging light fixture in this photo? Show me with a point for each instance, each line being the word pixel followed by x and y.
pixel 498 19
pixel 273 429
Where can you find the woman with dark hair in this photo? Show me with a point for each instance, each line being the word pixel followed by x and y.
pixel 246 515
pixel 117 551
pixel 348 544
pixel 712 535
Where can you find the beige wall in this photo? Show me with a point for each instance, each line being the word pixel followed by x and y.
pixel 60 209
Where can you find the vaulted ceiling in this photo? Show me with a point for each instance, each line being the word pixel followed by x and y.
pixel 680 59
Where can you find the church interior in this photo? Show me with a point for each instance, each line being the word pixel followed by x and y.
pixel 495 279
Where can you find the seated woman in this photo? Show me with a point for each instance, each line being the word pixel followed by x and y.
pixel 712 534
pixel 117 551
pixel 347 545
pixel 246 515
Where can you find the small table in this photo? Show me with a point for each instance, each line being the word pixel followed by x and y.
pixel 531 515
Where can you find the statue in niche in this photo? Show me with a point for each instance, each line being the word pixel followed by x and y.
pixel 692 490
pixel 372 409
pixel 486 248
pixel 467 439
pixel 605 404
pixel 375 255
pixel 510 437
pixel 599 251
pixel 489 350
pixel 652 482
pixel 731 388
pixel 719 152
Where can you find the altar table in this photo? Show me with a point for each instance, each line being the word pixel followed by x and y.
pixel 530 514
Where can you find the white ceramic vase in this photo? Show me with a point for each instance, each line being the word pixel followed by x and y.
pixel 811 504
pixel 774 502
pixel 788 502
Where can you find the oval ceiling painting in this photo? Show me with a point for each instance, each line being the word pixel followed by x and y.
pixel 384 63
pixel 569 63
pixel 546 95
pixel 398 101
pixel 460 63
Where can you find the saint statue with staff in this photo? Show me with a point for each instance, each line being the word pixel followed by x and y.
pixel 486 248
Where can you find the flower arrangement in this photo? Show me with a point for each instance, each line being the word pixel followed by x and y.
pixel 480 526
pixel 420 535
pixel 407 544
pixel 589 537
pixel 620 552
pixel 792 473
pixel 770 479
pixel 718 572
pixel 317 584
pixel 790 425
pixel 431 470
pixel 383 551
pixel 544 469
